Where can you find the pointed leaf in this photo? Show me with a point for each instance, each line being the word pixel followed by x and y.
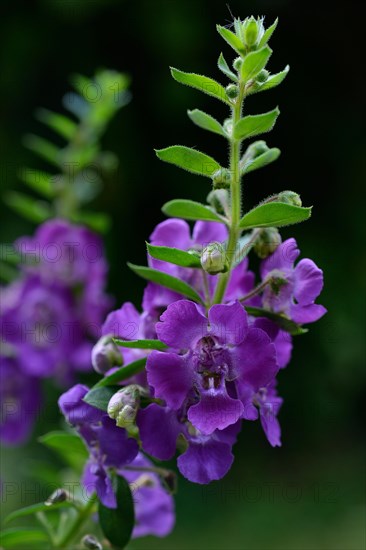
pixel 35 508
pixel 45 149
pixel 28 207
pixel 189 159
pixel 60 123
pixel 274 214
pixel 231 39
pixel 98 221
pixel 261 160
pixel 68 446
pixel 141 344
pixel 42 182
pixel 254 125
pixel 166 280
pixel 100 397
pixel 23 537
pixel 205 121
pixel 190 210
pixel 285 323
pixel 203 83
pixel 267 34
pixel 174 256
pixel 254 62
pixel 224 67
pixel 123 373
pixel 274 80
pixel 117 523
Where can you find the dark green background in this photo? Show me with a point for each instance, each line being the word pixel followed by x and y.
pixel 309 494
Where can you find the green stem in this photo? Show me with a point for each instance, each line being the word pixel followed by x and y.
pixel 234 231
pixel 76 525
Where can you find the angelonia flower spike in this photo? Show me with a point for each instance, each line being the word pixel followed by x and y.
pixel 183 376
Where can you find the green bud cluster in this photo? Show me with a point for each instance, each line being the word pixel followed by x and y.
pixel 267 242
pixel 214 259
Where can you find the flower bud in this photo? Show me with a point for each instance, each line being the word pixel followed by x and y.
pixel 219 200
pixel 232 91
pixel 250 31
pixel 213 259
pixel 105 355
pixel 60 495
pixel 262 76
pixel 253 151
pixel 124 404
pixel 290 197
pixel 91 543
pixel 267 242
pixel 237 63
pixel 221 179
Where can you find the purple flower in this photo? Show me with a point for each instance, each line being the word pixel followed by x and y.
pixel 206 458
pixel 154 507
pixel 40 322
pixel 108 445
pixel 212 356
pixel 20 402
pixel 296 288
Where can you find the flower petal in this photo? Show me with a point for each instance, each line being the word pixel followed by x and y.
pixel 205 233
pixel 255 359
pixel 115 446
pixel 124 322
pixel 308 281
pixel 182 325
pixel 282 259
pixel 206 461
pixel 75 410
pixel 307 314
pixel 229 323
pixel 173 233
pixel 270 424
pixel 215 411
pixel 95 478
pixel 170 376
pixel 159 429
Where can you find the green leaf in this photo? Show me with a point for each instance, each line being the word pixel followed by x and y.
pixel 35 508
pixel 42 182
pixel 245 244
pixel 123 373
pixel 274 80
pixel 189 159
pixel 261 160
pixel 285 323
pixel 117 523
pixel 45 149
pixel 140 344
pixel 207 122
pixel 98 221
pixel 22 537
pixel 254 62
pixel 203 83
pixel 274 214
pixel 224 67
pixel 28 207
pixel 60 123
pixel 166 280
pixel 100 397
pixel 68 446
pixel 231 39
pixel 190 210
pixel 267 35
pixel 174 256
pixel 253 125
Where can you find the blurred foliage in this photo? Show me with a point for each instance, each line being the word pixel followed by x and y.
pixel 322 457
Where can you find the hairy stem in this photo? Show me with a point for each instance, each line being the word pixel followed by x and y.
pixel 235 188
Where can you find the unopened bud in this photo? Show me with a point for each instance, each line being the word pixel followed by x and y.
pixel 253 151
pixel 262 76
pixel 219 200
pixel 232 91
pixel 237 63
pixel 213 259
pixel 105 355
pixel 91 543
pixel 290 197
pixel 250 31
pixel 221 179
pixel 60 495
pixel 124 404
pixel 267 242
